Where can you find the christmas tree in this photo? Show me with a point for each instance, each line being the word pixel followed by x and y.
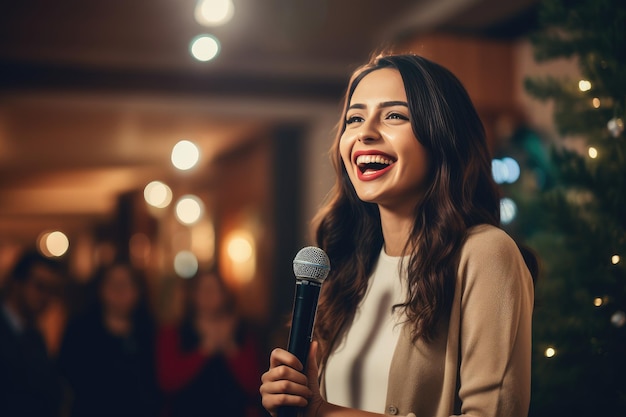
pixel 577 221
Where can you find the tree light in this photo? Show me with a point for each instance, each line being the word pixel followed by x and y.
pixel 595 103
pixel 597 301
pixel 593 152
pixel 584 85
pixel 550 352
pixel 508 210
pixel 615 259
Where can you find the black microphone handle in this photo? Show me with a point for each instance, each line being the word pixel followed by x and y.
pixel 304 309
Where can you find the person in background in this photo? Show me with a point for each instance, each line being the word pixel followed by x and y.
pixel 107 354
pixel 29 383
pixel 208 365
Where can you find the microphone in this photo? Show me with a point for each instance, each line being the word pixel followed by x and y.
pixel 311 267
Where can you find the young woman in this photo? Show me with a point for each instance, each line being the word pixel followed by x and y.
pixel 107 354
pixel 427 309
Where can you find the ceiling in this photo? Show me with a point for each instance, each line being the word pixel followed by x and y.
pixel 94 94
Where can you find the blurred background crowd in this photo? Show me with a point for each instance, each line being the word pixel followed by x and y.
pixel 160 161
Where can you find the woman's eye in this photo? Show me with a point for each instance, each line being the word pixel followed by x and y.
pixel 353 119
pixel 397 116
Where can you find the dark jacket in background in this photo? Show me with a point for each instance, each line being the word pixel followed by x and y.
pixel 109 375
pixel 29 383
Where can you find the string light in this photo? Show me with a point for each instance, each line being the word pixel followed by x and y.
pixel 550 352
pixel 615 259
pixel 593 152
pixel 597 301
pixel 595 103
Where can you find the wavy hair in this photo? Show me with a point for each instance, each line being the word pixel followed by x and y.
pixel 461 193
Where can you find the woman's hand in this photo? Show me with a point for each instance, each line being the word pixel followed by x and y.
pixel 284 384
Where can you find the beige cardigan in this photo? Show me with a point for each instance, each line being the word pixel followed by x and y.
pixel 479 365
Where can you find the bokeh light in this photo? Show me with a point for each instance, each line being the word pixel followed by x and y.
pixel 550 352
pixel 593 152
pixel 505 170
pixel 185 155
pixel 595 103
pixel 214 12
pixel 508 210
pixel 597 301
pixel 615 259
pixel 584 85
pixel 185 264
pixel 189 209
pixel 157 194
pixel 204 47
pixel 240 250
pixel 53 244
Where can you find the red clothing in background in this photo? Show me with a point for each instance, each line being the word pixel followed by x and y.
pixel 191 380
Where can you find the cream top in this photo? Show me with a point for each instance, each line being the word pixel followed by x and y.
pixel 357 371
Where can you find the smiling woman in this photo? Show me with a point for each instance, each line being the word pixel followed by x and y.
pixel 427 311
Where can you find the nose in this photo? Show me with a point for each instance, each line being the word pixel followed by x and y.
pixel 368 132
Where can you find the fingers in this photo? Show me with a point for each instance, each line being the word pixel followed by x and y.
pixel 284 384
pixel 282 357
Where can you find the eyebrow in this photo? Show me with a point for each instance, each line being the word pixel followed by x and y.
pixel 381 105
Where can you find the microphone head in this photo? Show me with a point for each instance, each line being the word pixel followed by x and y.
pixel 311 263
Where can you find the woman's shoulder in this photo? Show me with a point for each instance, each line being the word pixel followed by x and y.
pixel 485 239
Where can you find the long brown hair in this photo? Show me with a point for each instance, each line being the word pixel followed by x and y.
pixel 461 194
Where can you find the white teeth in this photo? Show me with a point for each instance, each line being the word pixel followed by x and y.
pixel 371 159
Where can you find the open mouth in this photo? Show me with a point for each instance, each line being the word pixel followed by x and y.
pixel 369 164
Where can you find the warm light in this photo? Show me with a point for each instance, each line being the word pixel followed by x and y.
pixel 189 209
pixel 204 47
pixel 597 301
pixel 593 152
pixel 214 12
pixel 185 155
pixel 508 210
pixel 584 85
pixel 185 264
pixel 239 249
pixel 203 241
pixel 550 352
pixel 241 255
pixel 157 194
pixel 595 103
pixel 615 259
pixel 53 244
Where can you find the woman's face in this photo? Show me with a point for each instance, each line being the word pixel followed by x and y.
pixel 119 292
pixel 385 162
